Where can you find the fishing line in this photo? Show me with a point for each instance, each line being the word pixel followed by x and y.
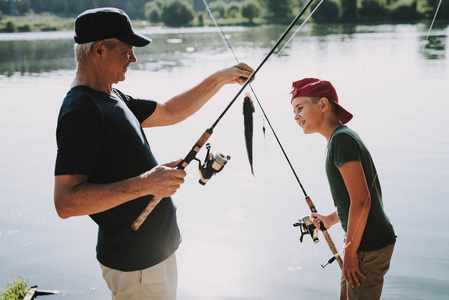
pixel 228 44
pixel 431 25
pixel 206 135
pixel 297 30
pixel 307 197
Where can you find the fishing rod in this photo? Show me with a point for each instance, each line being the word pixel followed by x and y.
pixel 431 25
pixel 206 135
pixel 305 225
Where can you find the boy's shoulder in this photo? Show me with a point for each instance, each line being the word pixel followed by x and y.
pixel 344 132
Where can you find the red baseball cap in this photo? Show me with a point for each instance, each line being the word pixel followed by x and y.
pixel 313 87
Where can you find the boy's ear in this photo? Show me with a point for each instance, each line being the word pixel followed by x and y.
pixel 324 103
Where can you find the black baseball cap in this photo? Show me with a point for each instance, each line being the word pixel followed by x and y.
pixel 105 23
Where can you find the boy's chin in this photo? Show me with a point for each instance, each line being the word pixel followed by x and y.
pixel 305 131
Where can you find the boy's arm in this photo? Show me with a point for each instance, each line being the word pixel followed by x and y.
pixel 354 178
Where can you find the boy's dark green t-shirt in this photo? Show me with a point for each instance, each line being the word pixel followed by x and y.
pixel 344 146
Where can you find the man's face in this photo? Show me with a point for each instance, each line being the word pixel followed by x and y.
pixel 307 114
pixel 117 61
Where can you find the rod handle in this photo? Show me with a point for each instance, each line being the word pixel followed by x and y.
pixel 333 248
pixel 326 234
pixel 145 213
pixel 195 149
pixel 184 163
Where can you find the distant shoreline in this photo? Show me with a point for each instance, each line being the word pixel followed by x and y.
pixel 47 22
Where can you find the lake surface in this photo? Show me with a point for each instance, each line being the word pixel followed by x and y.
pixel 238 238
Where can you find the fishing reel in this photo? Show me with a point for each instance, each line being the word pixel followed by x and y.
pixel 212 165
pixel 306 227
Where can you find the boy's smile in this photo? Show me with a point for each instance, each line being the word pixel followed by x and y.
pixel 306 113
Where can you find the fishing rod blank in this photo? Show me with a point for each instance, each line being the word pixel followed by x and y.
pixel 206 135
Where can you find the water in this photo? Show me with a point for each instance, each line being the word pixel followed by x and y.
pixel 238 238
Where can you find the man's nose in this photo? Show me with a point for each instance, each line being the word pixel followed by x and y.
pixel 133 57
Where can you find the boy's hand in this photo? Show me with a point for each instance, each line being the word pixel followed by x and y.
pixel 351 269
pixel 328 221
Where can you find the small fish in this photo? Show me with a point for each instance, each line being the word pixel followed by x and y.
pixel 248 110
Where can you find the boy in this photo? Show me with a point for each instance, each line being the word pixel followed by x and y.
pixel 355 189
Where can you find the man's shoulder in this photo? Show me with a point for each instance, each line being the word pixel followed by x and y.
pixel 79 101
pixel 80 97
pixel 81 93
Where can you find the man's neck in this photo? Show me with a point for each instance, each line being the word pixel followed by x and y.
pixel 89 78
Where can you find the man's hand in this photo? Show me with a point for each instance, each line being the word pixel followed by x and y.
pixel 237 74
pixel 163 180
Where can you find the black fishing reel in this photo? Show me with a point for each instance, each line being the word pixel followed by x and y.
pixel 212 165
pixel 306 227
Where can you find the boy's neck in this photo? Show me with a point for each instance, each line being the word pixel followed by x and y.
pixel 328 128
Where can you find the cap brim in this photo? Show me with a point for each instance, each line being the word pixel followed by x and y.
pixel 344 116
pixel 135 39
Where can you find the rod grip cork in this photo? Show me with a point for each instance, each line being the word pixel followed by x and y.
pixel 333 248
pixel 145 213
pixel 182 165
pixel 326 235
pixel 195 149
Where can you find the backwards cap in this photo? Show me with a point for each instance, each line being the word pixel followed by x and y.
pixel 313 87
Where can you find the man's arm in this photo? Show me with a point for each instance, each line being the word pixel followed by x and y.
pixel 186 104
pixel 74 196
pixel 354 178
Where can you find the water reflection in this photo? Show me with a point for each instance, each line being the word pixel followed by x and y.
pixel 28 57
pixel 173 48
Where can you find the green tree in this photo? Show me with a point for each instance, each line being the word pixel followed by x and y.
pixel 234 9
pixel 177 13
pixel 219 9
pixel 372 10
pixel 404 11
pixel 349 10
pixel 153 11
pixel 328 12
pixel 250 10
pixel 443 13
pixel 279 8
pixel 10 27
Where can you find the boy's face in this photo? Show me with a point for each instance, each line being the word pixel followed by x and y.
pixel 308 115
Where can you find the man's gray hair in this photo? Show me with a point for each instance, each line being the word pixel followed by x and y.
pixel 83 51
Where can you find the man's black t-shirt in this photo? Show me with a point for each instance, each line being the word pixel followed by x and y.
pixel 99 135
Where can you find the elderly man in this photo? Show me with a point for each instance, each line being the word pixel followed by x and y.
pixel 105 167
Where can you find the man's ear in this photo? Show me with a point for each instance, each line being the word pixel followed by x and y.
pixel 98 49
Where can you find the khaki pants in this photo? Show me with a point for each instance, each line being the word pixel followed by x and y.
pixel 158 282
pixel 374 264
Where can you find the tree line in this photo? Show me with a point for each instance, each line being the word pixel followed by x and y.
pixel 236 12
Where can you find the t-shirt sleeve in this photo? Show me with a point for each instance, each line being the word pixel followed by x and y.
pixel 77 138
pixel 141 108
pixel 344 149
